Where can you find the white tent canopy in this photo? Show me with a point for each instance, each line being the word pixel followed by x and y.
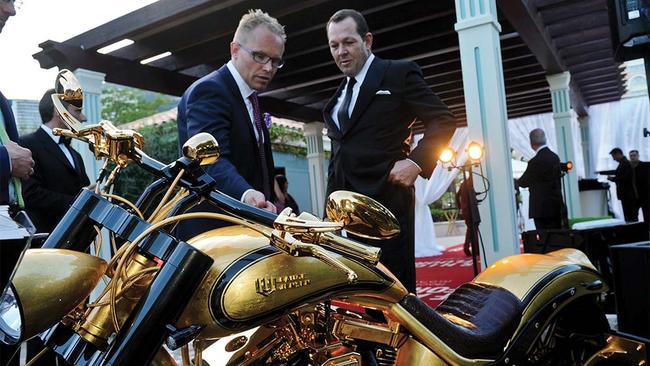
pixel 605 132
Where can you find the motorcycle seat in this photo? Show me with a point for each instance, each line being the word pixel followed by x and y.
pixel 475 321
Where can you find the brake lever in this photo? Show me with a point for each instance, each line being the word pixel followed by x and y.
pixel 287 243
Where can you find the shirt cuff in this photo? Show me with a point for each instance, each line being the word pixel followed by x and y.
pixel 245 193
pixel 414 163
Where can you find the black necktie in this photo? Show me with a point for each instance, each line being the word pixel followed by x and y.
pixel 343 113
pixel 257 116
pixel 65 140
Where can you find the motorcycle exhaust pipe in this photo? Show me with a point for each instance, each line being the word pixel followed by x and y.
pixel 146 328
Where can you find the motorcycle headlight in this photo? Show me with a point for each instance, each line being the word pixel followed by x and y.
pixel 10 321
pixel 48 284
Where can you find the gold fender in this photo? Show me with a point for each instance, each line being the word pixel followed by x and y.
pixel 49 283
pixel 537 278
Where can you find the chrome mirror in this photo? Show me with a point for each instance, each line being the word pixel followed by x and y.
pixel 361 215
pixel 68 90
pixel 203 148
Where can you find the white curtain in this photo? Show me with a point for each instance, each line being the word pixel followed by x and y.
pixel 519 129
pixel 429 190
pixel 618 124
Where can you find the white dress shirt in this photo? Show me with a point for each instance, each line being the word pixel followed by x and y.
pixel 355 91
pixel 360 77
pixel 245 92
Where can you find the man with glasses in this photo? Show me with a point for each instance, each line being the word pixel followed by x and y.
pixel 59 172
pixel 225 104
pixel 15 161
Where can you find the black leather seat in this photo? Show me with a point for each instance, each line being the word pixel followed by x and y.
pixel 476 320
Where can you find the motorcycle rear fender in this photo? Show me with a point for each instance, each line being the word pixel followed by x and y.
pixel 537 279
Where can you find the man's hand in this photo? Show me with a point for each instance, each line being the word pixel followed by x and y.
pixel 404 173
pixel 22 164
pixel 91 187
pixel 257 199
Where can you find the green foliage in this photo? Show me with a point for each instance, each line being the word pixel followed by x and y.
pixel 283 139
pixel 160 143
pixel 575 220
pixel 123 105
pixel 446 202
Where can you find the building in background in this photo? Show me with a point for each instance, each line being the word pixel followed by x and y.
pixel 26 113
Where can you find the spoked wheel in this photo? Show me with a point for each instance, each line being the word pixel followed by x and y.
pixel 573 337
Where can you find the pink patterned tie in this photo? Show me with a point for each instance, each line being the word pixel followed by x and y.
pixel 257 116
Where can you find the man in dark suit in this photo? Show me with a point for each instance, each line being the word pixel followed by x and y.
pixel 625 187
pixel 369 120
pixel 16 162
pixel 224 103
pixel 641 173
pixel 59 172
pixel 542 178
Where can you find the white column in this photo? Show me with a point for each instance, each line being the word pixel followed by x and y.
pixel 480 55
pixel 92 83
pixel 316 162
pixel 586 148
pixel 559 86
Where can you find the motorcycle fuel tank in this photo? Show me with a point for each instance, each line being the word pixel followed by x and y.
pixel 252 283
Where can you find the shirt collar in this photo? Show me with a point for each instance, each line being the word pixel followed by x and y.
pixel 244 89
pixel 364 70
pixel 539 148
pixel 50 133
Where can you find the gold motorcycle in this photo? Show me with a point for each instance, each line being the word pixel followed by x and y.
pixel 317 298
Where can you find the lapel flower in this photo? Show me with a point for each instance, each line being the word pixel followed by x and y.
pixel 267 120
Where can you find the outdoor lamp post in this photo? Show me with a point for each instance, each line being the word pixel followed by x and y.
pixel 475 153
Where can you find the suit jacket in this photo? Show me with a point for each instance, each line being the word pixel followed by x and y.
pixel 214 104
pixel 642 180
pixel 5 166
pixel 624 179
pixel 364 152
pixel 50 191
pixel 542 177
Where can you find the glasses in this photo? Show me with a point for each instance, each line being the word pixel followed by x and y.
pixel 17 3
pixel 263 59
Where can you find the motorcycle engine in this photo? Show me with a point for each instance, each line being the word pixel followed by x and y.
pixel 320 336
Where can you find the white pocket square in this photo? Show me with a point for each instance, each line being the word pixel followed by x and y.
pixel 382 92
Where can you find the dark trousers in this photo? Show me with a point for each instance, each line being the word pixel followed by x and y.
pixel 630 209
pixel 398 254
pixel 186 230
pixel 546 223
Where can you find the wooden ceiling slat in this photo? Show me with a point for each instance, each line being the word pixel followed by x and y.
pixel 536 107
pixel 604 99
pixel 586 47
pixel 138 76
pixel 301 37
pixel 589 56
pixel 580 35
pixel 147 20
pixel 216 27
pixel 595 19
pixel 572 9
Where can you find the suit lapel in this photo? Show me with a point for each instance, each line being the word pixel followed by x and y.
pixel 232 85
pixel 53 148
pixel 327 111
pixel 367 91
pixel 10 122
